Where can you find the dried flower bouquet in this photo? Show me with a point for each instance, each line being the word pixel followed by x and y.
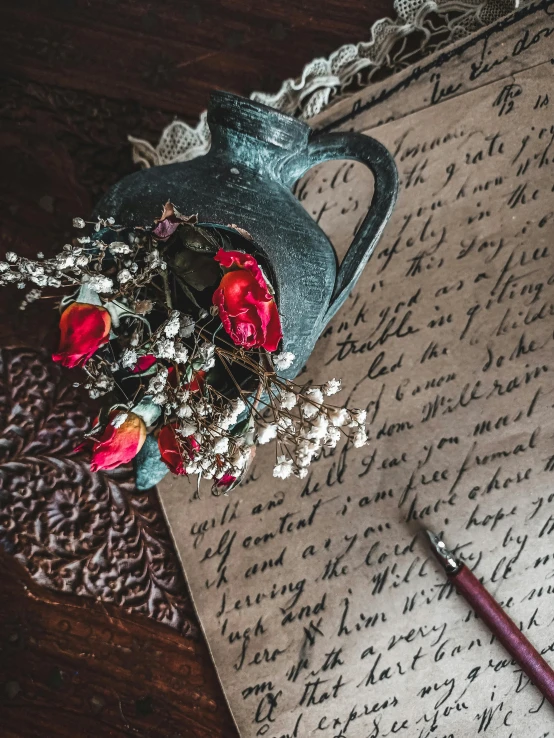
pixel 177 328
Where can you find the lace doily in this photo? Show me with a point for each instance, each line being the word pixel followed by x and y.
pixel 421 27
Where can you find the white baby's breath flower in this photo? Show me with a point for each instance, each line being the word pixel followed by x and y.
pixel 304 459
pixel 100 283
pixel 360 438
pixel 332 437
pixel 288 400
pixel 51 281
pixel 4 267
pixel 119 247
pixel 238 458
pixel 221 446
pixel 315 394
pixel 158 381
pixel 231 414
pixel 338 416
pixel 184 395
pixel 99 386
pixel 331 387
pixel 309 409
pixel 184 411
pixel 129 358
pixel 202 407
pixel 187 326
pixel 153 259
pixel 285 425
pixel 283 468
pixel 181 353
pixel 206 356
pixel 358 417
pixel 283 360
pixel 318 428
pixel 82 261
pixel 159 398
pixel 124 276
pixel 65 261
pixel 187 428
pixel 78 223
pixel 21 285
pixel 12 257
pixel 40 255
pixel 238 406
pixel 164 348
pixel 267 433
pixel 301 473
pixel 119 419
pixel 172 326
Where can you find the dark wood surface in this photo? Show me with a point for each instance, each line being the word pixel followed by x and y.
pixel 106 656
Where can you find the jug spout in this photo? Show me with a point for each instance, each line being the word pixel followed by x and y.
pixel 253 134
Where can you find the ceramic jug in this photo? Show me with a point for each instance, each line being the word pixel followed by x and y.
pixel 256 156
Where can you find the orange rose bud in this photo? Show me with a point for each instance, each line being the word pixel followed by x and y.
pixel 247 310
pixel 84 328
pixel 118 445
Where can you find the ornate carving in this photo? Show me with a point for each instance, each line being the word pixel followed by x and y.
pixel 90 534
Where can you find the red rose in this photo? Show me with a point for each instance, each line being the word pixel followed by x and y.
pixel 84 328
pixel 172 448
pixel 144 363
pixel 247 310
pixel 119 445
pixel 147 361
pixel 223 484
pixel 197 382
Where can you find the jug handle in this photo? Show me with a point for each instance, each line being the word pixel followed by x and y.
pixel 374 155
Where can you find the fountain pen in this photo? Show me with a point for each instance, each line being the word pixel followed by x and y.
pixel 490 612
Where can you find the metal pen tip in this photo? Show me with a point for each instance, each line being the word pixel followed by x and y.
pixel 450 562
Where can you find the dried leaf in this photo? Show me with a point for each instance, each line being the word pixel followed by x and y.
pixel 167 212
pixel 242 232
pixel 166 228
pixel 171 220
pixel 143 307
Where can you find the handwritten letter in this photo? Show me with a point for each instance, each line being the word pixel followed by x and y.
pixel 323 610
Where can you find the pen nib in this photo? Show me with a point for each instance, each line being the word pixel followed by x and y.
pixel 445 557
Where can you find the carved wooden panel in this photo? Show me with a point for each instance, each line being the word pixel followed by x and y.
pixel 76 531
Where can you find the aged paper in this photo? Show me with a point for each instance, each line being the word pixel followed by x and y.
pixel 324 613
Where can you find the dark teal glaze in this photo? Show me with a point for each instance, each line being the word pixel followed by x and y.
pixel 256 155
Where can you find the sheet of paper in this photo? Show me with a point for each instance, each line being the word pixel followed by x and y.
pixel 323 611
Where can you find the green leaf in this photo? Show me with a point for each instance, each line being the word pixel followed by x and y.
pixel 240 428
pixel 197 270
pixel 198 239
pixel 188 292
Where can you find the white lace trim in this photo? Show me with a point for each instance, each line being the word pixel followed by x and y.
pixel 421 27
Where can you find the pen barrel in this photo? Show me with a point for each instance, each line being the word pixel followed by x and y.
pixel 507 632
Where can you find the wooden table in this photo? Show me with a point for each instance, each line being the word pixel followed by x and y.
pixel 102 640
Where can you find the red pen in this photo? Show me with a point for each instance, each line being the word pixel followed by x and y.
pixel 490 612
